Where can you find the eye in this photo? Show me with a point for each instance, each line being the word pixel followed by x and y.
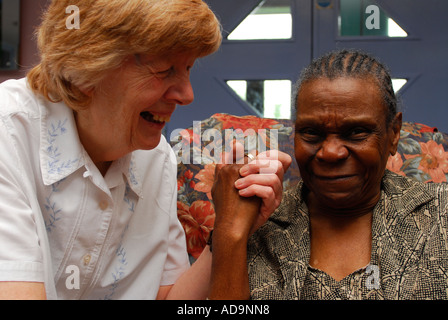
pixel 358 133
pixel 310 134
pixel 164 73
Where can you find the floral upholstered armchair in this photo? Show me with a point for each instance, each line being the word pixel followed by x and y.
pixel 422 154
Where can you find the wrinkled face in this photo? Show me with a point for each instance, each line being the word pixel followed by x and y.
pixel 132 104
pixel 342 141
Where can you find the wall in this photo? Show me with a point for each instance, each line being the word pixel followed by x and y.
pixel 30 14
pixel 429 21
pixel 420 58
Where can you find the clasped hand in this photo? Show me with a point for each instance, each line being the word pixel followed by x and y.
pixel 245 195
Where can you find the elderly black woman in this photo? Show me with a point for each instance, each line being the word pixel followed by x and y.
pixel 87 180
pixel 351 229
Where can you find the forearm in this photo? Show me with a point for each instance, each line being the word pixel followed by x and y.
pixel 194 284
pixel 235 217
pixel 22 291
pixel 229 279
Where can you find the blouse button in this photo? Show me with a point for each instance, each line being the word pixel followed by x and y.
pixel 104 205
pixel 86 259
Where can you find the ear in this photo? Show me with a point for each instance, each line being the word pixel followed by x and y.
pixel 394 131
pixel 88 91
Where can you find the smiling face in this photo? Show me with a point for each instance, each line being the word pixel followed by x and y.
pixel 343 141
pixel 132 104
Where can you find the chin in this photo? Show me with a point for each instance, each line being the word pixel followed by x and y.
pixel 340 201
pixel 150 144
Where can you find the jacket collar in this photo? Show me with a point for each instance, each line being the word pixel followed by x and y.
pixel 400 196
pixel 399 236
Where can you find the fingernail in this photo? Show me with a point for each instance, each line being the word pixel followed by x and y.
pixel 244 170
pixel 238 183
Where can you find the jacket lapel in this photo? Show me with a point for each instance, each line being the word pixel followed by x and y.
pixel 399 235
pixel 293 258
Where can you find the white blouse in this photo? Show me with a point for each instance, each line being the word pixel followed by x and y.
pixel 62 223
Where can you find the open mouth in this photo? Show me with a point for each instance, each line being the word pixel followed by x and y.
pixel 158 119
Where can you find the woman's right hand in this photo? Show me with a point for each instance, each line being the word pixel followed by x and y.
pixel 235 215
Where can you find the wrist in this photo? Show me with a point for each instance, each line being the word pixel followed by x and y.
pixel 224 237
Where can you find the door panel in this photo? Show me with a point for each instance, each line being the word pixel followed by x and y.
pixel 421 57
pixel 248 60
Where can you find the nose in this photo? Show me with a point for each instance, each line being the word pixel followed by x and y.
pixel 332 150
pixel 181 91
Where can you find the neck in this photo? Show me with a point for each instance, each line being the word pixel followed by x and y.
pixel 341 224
pixel 340 237
pixel 341 245
pixel 318 207
pixel 100 149
pixel 103 167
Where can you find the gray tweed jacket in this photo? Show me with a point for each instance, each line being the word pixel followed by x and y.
pixel 409 258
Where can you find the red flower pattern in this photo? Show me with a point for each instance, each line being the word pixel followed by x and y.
pixel 244 123
pixel 197 221
pixel 422 154
pixel 433 160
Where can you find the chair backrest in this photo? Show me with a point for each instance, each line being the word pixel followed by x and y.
pixel 422 154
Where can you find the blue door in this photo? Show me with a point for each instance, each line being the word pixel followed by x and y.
pixel 418 55
pixel 276 59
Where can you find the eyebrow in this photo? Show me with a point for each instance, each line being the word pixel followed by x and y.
pixel 140 60
pixel 347 122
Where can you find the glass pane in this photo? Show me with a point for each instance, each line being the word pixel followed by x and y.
pixel 271 98
pixel 365 18
pixel 270 20
pixel 397 84
pixel 9 33
pixel 394 30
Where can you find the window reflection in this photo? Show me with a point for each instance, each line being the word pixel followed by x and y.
pixel 270 20
pixel 366 18
pixel 9 33
pixel 270 98
pixel 397 84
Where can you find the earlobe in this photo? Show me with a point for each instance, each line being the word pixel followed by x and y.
pixel 87 91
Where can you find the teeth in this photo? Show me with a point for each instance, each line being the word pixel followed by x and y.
pixel 161 118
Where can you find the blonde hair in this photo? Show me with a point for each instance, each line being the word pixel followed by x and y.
pixel 75 60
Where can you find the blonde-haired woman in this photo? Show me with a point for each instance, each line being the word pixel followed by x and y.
pixel 87 181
